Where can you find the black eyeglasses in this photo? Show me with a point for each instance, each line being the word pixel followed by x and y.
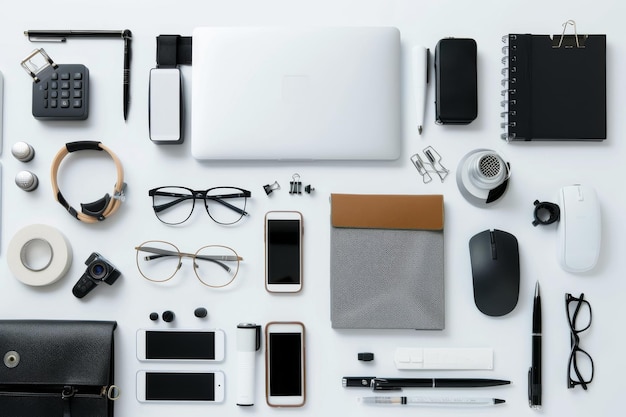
pixel 580 367
pixel 174 205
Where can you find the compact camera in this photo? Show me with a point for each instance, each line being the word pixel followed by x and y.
pixel 98 270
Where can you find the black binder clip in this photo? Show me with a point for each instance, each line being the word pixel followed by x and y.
pixel 269 188
pixel 295 186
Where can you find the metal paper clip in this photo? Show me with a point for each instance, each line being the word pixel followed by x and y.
pixel 419 165
pixel 569 41
pixel 435 161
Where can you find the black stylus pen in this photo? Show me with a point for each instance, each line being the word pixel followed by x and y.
pixel 62 35
pixel 382 384
pixel 534 373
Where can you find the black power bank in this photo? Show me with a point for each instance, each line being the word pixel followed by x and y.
pixel 456 86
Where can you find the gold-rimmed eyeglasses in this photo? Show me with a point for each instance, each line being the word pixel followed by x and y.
pixel 215 266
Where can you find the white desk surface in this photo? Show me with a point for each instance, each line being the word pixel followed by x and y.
pixel 538 171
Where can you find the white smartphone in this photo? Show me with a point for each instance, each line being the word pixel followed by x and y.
pixel 185 386
pixel 285 364
pixel 181 345
pixel 283 251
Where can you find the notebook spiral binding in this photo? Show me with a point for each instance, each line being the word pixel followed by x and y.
pixel 509 83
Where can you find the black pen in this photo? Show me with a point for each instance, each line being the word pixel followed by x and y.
pixel 62 35
pixel 383 384
pixel 127 35
pixel 534 373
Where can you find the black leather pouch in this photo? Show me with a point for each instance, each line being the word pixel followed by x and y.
pixel 57 368
pixel 456 85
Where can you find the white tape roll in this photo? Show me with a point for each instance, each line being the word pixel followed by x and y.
pixel 39 255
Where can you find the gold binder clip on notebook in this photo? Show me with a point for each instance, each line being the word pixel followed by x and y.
pixel 569 41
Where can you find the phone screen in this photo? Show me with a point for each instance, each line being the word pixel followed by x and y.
pixel 180 386
pixel 180 345
pixel 283 251
pixel 285 360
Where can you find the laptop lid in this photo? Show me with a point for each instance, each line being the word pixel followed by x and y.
pixel 281 93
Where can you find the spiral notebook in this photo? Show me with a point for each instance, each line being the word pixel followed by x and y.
pixel 555 87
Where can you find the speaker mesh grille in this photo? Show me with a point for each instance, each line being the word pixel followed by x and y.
pixel 489 165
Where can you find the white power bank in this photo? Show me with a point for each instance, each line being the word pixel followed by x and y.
pixel 165 119
pixel 580 228
pixel 1 109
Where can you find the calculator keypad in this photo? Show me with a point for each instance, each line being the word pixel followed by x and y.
pixel 62 93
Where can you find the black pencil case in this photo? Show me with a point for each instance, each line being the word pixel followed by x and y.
pixel 57 368
pixel 456 85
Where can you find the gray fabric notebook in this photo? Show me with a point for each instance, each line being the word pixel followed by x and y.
pixel 387 262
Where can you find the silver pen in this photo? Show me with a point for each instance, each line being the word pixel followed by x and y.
pixel 421 64
pixel 431 401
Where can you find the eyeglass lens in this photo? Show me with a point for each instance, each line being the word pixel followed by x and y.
pixel 225 205
pixel 214 265
pixel 580 368
pixel 174 205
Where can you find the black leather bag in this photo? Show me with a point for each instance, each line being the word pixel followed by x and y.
pixel 57 368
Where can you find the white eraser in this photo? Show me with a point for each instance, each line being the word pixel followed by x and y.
pixel 444 358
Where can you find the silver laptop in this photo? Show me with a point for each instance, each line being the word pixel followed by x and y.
pixel 281 93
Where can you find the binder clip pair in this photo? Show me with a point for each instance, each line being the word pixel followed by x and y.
pixel 295 185
pixel 431 164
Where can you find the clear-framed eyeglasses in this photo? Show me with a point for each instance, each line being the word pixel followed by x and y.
pixel 174 205
pixel 215 266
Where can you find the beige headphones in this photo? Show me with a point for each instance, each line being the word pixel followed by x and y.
pixel 102 208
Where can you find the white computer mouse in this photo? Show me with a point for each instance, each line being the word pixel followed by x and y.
pixel 579 228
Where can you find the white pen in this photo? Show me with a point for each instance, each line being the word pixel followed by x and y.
pixel 421 62
pixel 431 401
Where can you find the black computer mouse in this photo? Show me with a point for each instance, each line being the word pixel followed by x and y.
pixel 494 255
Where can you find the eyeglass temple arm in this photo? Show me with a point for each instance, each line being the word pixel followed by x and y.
pixel 220 199
pixel 159 253
pixel 181 197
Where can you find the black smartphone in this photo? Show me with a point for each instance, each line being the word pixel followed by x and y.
pixel 181 344
pixel 180 386
pixel 284 364
pixel 283 251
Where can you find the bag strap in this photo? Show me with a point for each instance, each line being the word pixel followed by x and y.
pixel 66 395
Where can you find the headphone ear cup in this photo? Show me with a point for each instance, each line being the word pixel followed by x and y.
pixel 96 208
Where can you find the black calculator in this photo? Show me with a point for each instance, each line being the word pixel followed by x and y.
pixel 60 91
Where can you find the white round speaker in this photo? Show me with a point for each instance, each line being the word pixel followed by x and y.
pixel 483 176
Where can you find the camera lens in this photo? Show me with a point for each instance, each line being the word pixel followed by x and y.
pixel 97 270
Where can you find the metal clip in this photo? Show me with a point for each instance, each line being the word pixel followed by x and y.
pixel 435 161
pixel 295 186
pixel 570 41
pixel 269 188
pixel 419 165
pixel 33 67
